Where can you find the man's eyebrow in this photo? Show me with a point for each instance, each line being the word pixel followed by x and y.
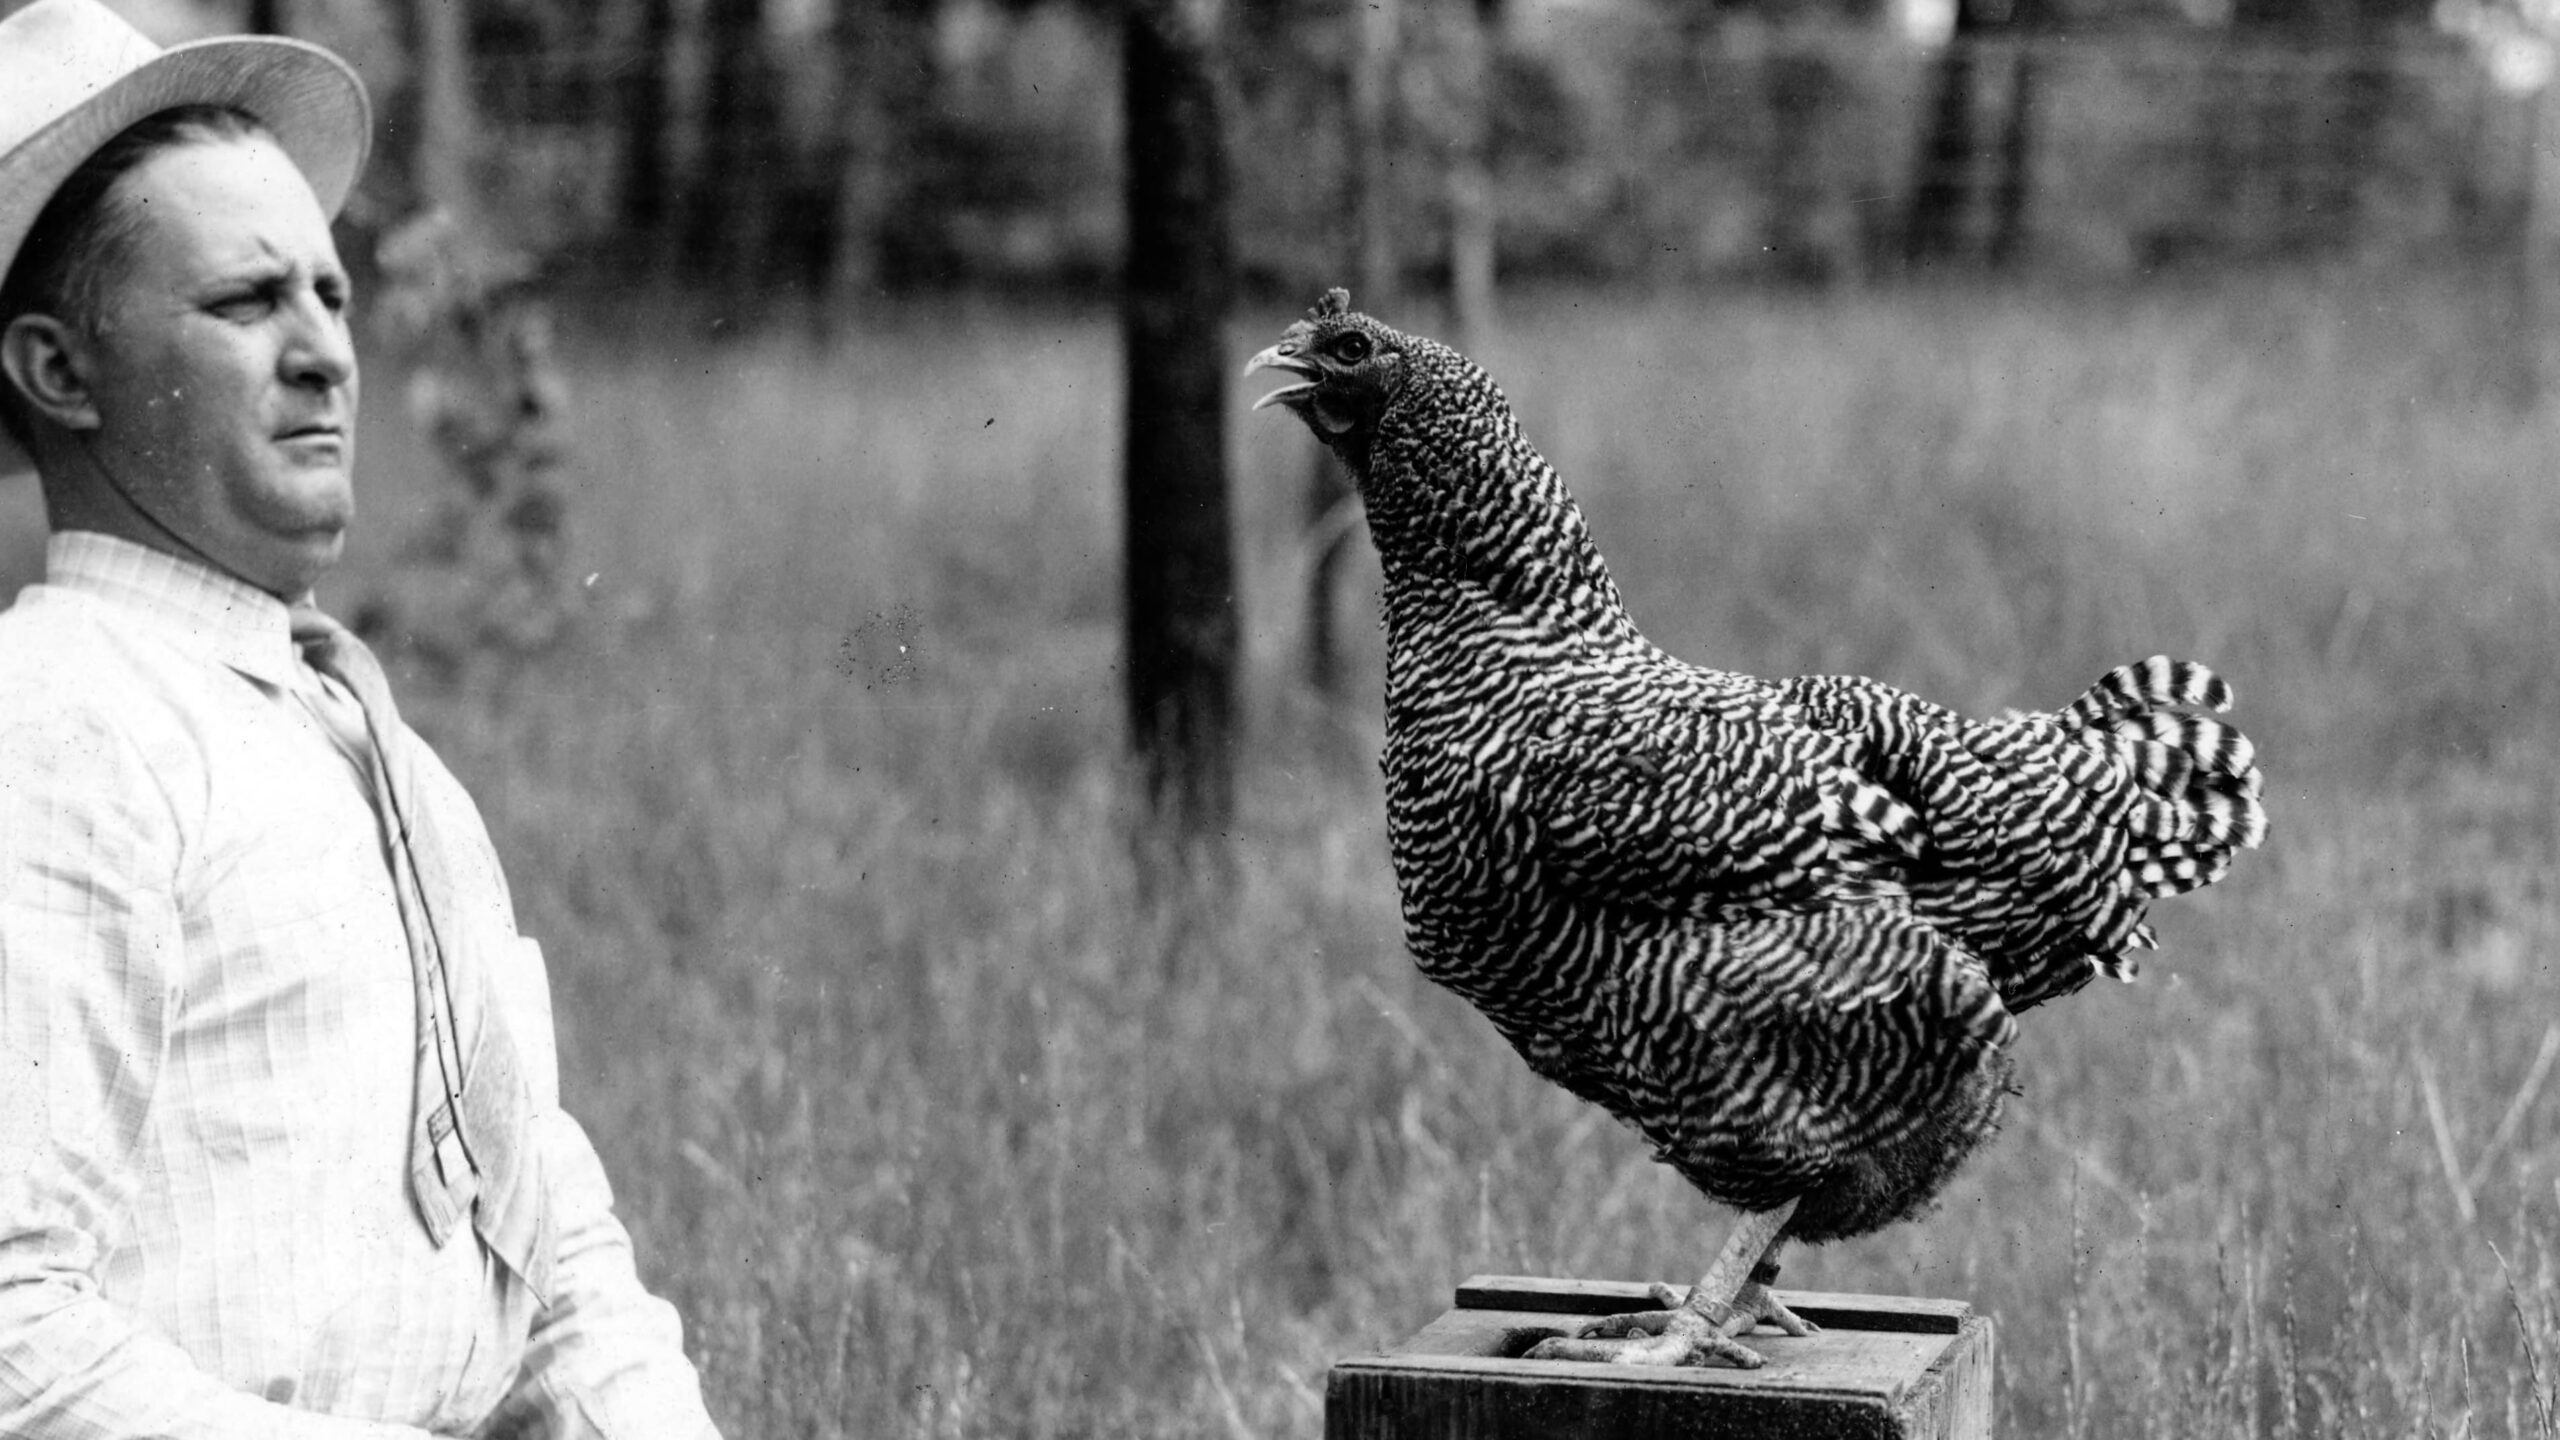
pixel 265 270
pixel 255 269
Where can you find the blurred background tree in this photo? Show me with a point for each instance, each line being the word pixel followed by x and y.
pixel 821 154
pixel 1178 616
pixel 720 166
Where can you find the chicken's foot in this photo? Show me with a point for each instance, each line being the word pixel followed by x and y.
pixel 1729 1301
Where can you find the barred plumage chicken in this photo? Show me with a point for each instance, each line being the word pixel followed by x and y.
pixel 1781 928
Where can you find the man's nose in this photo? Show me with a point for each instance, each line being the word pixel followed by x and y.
pixel 318 351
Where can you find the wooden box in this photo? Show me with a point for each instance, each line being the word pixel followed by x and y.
pixel 1883 1368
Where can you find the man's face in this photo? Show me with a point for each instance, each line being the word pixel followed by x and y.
pixel 222 373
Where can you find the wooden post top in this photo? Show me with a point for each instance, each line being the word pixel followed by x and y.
pixel 1883 1368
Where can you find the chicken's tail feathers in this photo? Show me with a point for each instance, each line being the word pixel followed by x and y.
pixel 2189 797
pixel 2197 778
pixel 2158 683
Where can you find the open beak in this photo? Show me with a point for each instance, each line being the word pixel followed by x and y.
pixel 1285 356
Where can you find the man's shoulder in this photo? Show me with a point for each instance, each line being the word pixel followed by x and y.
pixel 63 669
pixel 55 636
pixel 93 764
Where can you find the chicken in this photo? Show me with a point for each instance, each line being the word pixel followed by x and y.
pixel 1782 928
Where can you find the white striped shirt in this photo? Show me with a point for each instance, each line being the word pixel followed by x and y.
pixel 207 1034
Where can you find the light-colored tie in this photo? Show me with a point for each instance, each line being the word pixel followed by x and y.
pixel 469 1152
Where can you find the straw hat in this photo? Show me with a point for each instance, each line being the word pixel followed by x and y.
pixel 73 74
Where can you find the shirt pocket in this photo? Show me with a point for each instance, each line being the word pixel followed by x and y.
pixel 520 988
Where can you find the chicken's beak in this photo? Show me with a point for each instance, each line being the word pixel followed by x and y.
pixel 1285 356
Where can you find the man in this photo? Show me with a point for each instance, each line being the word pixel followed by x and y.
pixel 280 1145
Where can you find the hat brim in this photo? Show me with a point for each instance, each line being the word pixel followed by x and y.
pixel 306 96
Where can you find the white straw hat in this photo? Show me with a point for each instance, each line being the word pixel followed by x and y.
pixel 73 75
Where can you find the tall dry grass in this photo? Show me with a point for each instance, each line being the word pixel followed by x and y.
pixel 935 1122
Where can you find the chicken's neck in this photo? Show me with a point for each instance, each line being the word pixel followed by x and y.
pixel 1475 510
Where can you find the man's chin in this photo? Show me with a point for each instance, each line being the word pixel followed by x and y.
pixel 288 566
pixel 323 550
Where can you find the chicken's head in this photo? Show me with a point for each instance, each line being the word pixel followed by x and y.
pixel 1348 365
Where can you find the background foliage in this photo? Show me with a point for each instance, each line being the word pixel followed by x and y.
pixel 853 148
pixel 938 1121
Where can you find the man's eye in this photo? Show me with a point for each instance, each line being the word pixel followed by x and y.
pixel 243 307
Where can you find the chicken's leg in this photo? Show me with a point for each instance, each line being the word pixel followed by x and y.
pixel 1728 1301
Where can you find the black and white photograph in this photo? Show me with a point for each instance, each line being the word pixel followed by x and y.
pixel 1279 719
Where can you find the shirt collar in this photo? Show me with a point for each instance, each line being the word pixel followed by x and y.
pixel 219 616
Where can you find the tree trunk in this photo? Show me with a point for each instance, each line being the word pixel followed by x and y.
pixel 445 137
pixel 2524 328
pixel 809 204
pixel 886 82
pixel 1970 202
pixel 1181 626
pixel 1371 264
pixel 1373 67
pixel 1942 196
pixel 2342 103
pixel 1474 31
pixel 2012 199
pixel 647 91
pixel 729 225
pixel 1802 92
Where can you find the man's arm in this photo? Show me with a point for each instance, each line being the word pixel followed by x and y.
pixel 89 938
pixel 606 1358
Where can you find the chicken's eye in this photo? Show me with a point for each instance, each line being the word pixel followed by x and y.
pixel 1352 348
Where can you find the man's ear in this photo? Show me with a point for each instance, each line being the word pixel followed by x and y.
pixel 47 361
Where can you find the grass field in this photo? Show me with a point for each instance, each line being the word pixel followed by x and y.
pixel 935 1125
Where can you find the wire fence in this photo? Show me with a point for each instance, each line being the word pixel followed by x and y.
pixel 1617 149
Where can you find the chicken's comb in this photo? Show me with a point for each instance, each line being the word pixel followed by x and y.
pixel 1336 301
